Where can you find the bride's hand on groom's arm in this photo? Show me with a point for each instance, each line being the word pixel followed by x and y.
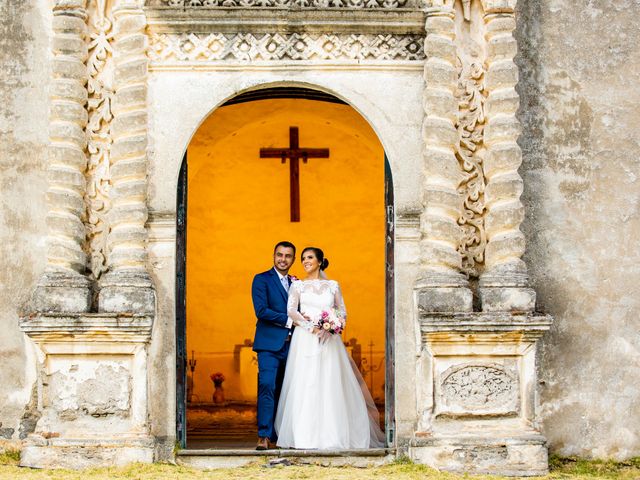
pixel 297 323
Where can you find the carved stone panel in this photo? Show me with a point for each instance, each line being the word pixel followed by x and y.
pixel 246 47
pixel 478 389
pixel 350 4
pixel 79 388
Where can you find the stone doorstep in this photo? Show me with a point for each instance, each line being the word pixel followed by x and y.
pixel 225 458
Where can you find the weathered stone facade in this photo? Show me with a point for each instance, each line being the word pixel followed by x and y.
pixel 102 97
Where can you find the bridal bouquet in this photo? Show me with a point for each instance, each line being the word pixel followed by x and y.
pixel 331 321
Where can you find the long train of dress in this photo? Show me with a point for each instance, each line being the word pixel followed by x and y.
pixel 324 403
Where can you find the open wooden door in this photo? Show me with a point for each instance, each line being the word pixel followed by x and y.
pixel 181 307
pixel 390 307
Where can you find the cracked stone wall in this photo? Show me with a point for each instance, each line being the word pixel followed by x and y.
pixel 24 73
pixel 579 66
pixel 579 92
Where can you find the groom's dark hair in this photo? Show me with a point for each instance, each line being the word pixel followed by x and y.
pixel 285 244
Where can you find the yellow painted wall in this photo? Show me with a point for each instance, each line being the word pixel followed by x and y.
pixel 238 208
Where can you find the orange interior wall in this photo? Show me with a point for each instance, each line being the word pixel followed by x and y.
pixel 238 208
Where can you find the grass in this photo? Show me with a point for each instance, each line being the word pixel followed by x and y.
pixel 403 468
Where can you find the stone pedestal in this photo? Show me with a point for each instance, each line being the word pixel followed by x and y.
pixel 506 292
pixel 62 292
pixel 127 292
pixel 478 399
pixel 443 293
pixel 92 390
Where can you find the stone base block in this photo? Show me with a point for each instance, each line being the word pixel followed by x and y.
pixel 519 456
pixel 507 299
pixel 444 299
pixel 62 293
pixel 39 452
pixel 117 299
pixel 127 292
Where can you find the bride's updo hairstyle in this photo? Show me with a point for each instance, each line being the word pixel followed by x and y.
pixel 324 263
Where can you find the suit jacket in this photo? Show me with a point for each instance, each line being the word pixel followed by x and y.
pixel 270 304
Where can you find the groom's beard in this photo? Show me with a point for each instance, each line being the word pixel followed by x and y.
pixel 283 271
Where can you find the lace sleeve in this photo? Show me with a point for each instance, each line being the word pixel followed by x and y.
pixel 338 304
pixel 292 308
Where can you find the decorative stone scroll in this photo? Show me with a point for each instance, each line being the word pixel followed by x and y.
pixel 471 95
pixel 99 106
pixel 355 4
pixel 247 47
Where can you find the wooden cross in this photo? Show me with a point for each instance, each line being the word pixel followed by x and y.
pixel 294 153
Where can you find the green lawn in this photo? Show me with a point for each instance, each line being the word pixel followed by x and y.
pixel 560 469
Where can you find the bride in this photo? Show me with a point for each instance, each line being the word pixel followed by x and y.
pixel 324 402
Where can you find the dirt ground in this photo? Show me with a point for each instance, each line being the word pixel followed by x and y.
pixel 560 469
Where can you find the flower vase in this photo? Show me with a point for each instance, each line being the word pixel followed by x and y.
pixel 218 393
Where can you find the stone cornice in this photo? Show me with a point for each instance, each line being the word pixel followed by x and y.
pixel 484 322
pixel 82 327
pixel 285 21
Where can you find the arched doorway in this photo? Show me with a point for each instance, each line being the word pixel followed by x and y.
pixel 239 206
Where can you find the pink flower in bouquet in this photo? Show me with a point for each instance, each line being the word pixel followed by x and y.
pixel 330 321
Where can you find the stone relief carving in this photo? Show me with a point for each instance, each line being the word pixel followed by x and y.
pixel 296 46
pixel 469 151
pixel 479 387
pixel 99 139
pixel 358 4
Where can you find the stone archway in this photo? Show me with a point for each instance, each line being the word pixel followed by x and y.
pixel 208 344
pixel 436 81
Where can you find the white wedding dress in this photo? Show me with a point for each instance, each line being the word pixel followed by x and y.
pixel 324 403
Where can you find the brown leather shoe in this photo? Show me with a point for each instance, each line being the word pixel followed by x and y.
pixel 263 443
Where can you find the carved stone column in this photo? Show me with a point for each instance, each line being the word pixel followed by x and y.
pixel 442 287
pixel 477 388
pixel 127 287
pixel 64 287
pixel 504 283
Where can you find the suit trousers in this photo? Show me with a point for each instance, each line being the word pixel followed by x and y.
pixel 271 366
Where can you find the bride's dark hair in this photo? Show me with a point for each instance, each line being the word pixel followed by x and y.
pixel 324 263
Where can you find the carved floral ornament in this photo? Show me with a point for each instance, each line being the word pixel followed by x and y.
pixel 471 96
pixel 479 387
pixel 99 139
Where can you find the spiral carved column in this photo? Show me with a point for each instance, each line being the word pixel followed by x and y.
pixel 442 287
pixel 64 287
pixel 504 283
pixel 127 287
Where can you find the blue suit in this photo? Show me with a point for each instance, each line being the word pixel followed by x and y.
pixel 271 344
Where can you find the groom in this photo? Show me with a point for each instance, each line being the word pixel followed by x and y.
pixel 269 292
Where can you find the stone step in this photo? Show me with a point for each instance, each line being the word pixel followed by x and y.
pixel 225 458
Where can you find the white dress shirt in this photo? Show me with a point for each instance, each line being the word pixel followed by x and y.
pixel 284 280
